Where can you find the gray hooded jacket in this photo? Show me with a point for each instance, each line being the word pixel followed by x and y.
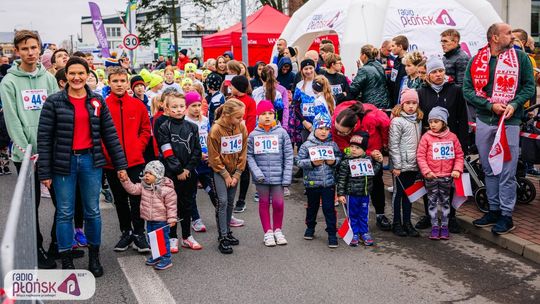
pixel 318 176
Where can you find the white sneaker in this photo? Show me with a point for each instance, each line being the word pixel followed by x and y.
pixel 269 240
pixel 390 189
pixel 198 226
pixel 173 243
pixel 235 222
pixel 286 191
pixel 280 238
pixel 256 197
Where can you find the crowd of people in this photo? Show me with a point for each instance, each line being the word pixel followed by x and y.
pixel 150 140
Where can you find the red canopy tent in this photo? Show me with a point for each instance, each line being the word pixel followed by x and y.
pixel 264 27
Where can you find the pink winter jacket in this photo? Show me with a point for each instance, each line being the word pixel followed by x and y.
pixel 442 167
pixel 154 206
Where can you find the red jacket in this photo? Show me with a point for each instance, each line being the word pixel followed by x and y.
pixel 182 62
pixel 426 151
pixel 250 115
pixel 131 120
pixel 375 122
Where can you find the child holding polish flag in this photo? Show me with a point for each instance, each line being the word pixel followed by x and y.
pixel 440 159
pixel 158 208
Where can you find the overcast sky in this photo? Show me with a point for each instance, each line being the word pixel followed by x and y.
pixel 54 19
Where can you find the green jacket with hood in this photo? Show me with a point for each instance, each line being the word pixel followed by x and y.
pixel 22 124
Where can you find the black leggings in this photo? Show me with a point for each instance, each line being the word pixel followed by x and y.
pixel 377 195
pixel 400 199
pixel 244 184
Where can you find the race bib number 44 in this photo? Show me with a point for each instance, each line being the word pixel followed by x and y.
pixel 231 144
pixel 266 144
pixel 33 99
pixel 443 150
pixel 321 153
pixel 361 167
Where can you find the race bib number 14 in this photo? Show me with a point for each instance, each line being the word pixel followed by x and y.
pixel 33 99
pixel 231 144
pixel 321 153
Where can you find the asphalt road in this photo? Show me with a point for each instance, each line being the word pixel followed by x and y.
pixel 464 269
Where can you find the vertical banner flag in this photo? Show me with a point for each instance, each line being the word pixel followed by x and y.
pixel 345 231
pixel 157 243
pixel 463 190
pixel 416 191
pixel 500 151
pixel 99 29
pixel 130 15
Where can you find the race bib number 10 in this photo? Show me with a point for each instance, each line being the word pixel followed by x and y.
pixel 33 99
pixel 231 144
pixel 361 167
pixel 443 150
pixel 321 153
pixel 266 144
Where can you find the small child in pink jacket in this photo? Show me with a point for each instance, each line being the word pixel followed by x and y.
pixel 158 205
pixel 440 159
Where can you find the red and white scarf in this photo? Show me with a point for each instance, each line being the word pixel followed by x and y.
pixel 506 75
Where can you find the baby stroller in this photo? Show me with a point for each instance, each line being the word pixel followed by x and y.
pixel 530 152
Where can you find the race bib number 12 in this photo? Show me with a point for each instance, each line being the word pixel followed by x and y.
pixel 361 167
pixel 231 144
pixel 266 144
pixel 321 153
pixel 33 99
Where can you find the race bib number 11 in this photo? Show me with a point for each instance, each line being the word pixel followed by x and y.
pixel 321 153
pixel 33 99
pixel 231 144
pixel 361 167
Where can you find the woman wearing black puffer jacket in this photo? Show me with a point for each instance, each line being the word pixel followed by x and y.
pixel 72 127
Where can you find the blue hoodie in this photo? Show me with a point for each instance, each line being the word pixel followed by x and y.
pixel 287 79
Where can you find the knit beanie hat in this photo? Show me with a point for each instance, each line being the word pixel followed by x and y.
pixel 192 97
pixel 439 113
pixel 46 59
pixel 100 73
pixel 155 80
pixel 213 81
pixel 307 62
pixel 241 83
pixel 205 73
pixel 434 63
pixel 265 106
pixel 157 169
pixel 322 120
pixel 408 95
pixel 190 68
pixel 136 80
pixel 146 76
pixel 177 74
pixel 360 139
pixel 292 51
pixel 187 81
pixel 229 54
pixel 184 51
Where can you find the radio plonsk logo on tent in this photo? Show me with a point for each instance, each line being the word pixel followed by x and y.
pixel 49 284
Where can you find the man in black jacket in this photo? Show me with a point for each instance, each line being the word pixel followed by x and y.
pixel 455 59
pixel 338 81
pixel 399 49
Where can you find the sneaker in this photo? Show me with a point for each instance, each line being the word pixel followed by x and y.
pixel 332 241
pixel 45 261
pixel 434 233
pixel 409 229
pixel 125 240
pixel 232 240
pixel 163 264
pixel 453 225
pixel 286 191
pixel 191 243
pixel 198 226
pixel 383 223
pixel 7 171
pixel 224 246
pixel 354 241
pixel 504 225
pixel 532 171
pixel 44 191
pixel 423 223
pixel 489 219
pixel 269 240
pixel 398 230
pixel 140 243
pixel 173 243
pixel 152 262
pixel 280 238
pixel 256 197
pixel 80 238
pixel 236 222
pixel 107 195
pixel 308 235
pixel 390 189
pixel 445 235
pixel 368 240
pixel 240 207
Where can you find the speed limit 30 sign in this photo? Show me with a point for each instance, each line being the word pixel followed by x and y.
pixel 131 41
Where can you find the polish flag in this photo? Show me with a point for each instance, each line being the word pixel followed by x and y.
pixel 345 231
pixel 157 243
pixel 463 190
pixel 500 151
pixel 416 191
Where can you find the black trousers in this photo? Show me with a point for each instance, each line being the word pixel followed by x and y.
pixel 185 193
pixel 244 184
pixel 128 207
pixel 377 195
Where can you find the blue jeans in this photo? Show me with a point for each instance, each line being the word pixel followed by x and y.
pixel 88 178
pixel 153 225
